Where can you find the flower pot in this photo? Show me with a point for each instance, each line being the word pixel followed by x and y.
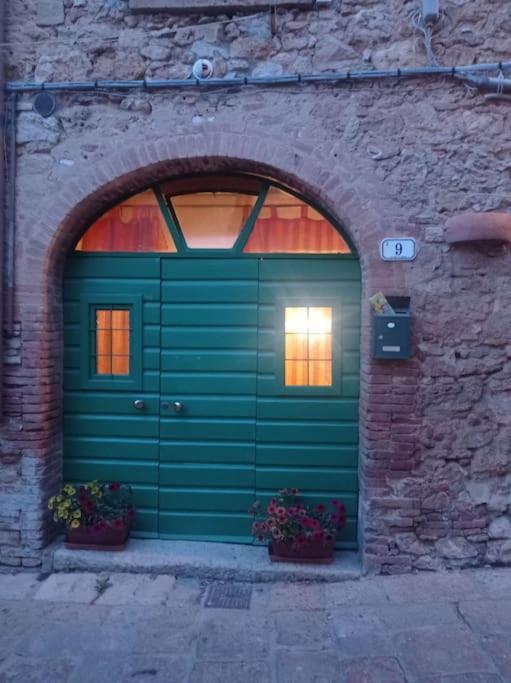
pixel 312 552
pixel 107 538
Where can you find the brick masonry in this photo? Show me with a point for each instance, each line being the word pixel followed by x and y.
pixel 386 158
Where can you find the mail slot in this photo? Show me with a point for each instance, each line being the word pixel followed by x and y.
pixel 392 332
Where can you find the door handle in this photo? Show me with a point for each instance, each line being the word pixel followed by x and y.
pixel 178 407
pixel 138 404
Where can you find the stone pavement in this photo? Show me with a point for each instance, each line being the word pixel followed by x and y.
pixel 427 628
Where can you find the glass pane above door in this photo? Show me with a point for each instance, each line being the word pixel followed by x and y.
pixel 212 220
pixel 286 224
pixel 135 225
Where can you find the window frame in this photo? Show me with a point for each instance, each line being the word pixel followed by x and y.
pixel 280 343
pixel 88 306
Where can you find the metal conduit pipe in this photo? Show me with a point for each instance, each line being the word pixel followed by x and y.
pixel 497 84
pixel 3 173
pixel 465 71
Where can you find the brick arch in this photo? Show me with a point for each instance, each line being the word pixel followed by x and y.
pixel 343 187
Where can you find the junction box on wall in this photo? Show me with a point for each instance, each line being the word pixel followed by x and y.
pixel 430 11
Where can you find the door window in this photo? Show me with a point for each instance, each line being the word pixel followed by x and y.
pixel 111 342
pixel 112 353
pixel 308 346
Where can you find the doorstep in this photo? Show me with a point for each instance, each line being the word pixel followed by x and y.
pixel 220 561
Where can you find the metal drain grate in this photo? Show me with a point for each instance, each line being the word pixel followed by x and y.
pixel 229 595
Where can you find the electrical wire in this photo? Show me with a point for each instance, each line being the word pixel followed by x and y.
pixel 427 33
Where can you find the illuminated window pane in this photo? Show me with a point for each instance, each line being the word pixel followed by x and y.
pixel 212 220
pixel 296 373
pixel 296 346
pixel 320 346
pixel 112 342
pixel 320 374
pixel 287 225
pixel 308 346
pixel 135 225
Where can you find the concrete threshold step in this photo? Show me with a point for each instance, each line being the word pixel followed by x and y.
pixel 219 561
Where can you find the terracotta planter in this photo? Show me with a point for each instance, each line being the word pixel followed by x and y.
pixel 313 552
pixel 87 538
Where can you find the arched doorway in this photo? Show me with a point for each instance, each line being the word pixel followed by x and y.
pixel 212 331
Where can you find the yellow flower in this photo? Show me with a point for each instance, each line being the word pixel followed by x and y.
pixel 77 514
pixel 75 524
pixel 51 502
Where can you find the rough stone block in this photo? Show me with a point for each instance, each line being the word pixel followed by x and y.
pixel 227 672
pixel 306 630
pixel 50 12
pixel 17 586
pixel 304 667
pixel 426 652
pixel 79 587
pixel 137 589
pixel 488 616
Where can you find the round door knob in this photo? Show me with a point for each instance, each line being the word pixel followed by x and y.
pixel 178 407
pixel 138 404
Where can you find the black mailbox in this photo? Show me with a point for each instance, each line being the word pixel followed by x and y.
pixel 392 332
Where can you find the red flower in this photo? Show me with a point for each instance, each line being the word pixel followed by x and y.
pixel 318 535
pixel 314 524
pixel 118 523
pixel 114 486
pixel 87 506
pixel 320 508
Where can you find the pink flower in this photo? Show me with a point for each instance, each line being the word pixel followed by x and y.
pixel 318 535
pixel 314 524
pixel 281 511
pixel 271 509
pixel 255 527
pixel 320 508
pixel 292 512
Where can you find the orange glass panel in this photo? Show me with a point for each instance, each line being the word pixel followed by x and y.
pixel 288 225
pixel 212 220
pixel 320 373
pixel 112 342
pixel 308 346
pixel 135 225
pixel 296 346
pixel 320 346
pixel 296 373
pixel 320 319
pixel 297 320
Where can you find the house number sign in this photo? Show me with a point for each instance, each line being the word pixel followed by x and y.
pixel 398 249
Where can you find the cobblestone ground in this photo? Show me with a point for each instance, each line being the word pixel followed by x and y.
pixel 428 628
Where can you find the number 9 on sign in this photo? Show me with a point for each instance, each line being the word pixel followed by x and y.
pixel 398 249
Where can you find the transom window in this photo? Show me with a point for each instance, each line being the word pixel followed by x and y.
pixel 238 214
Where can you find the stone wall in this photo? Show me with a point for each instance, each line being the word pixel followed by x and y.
pixel 387 158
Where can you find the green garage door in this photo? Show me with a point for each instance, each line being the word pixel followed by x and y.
pixel 209 382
